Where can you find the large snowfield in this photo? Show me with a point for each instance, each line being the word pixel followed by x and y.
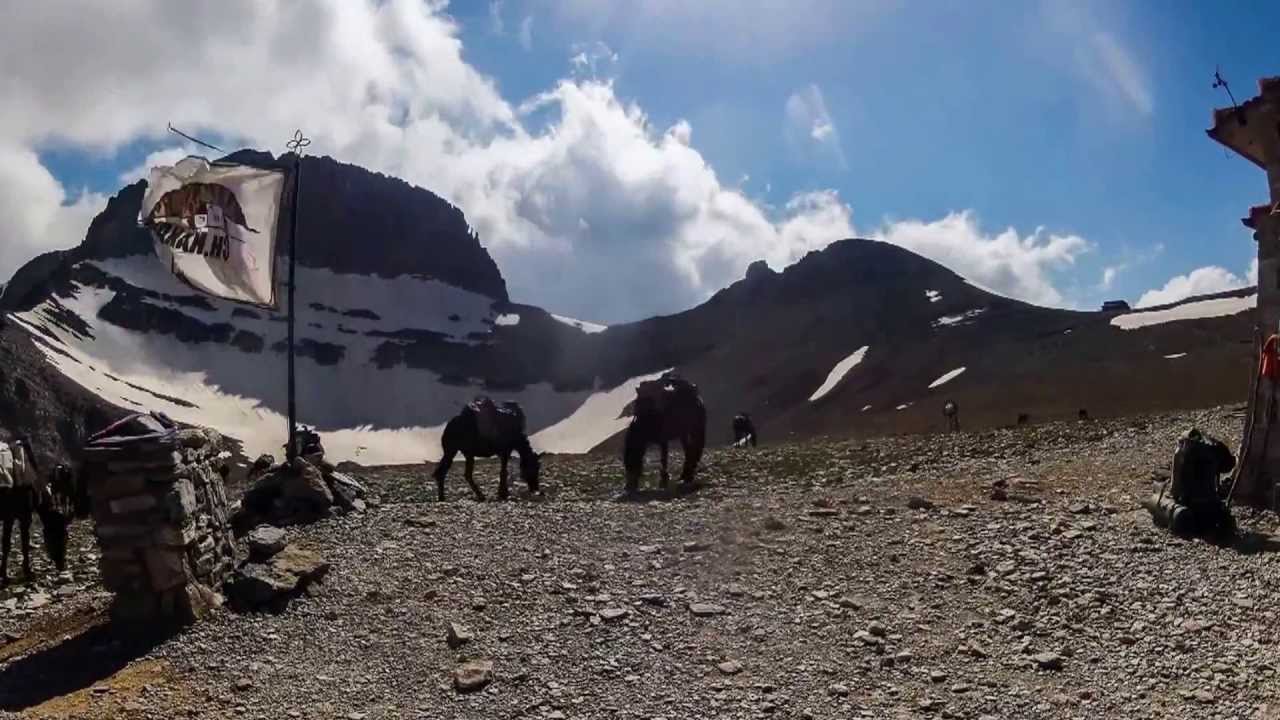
pixel 364 413
pixel 1217 307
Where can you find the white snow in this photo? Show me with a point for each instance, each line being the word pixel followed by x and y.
pixel 946 377
pixel 1175 356
pixel 903 406
pixel 508 319
pixel 933 295
pixel 583 325
pixel 838 372
pixel 596 420
pixel 958 319
pixel 1216 307
pixel 365 413
pixel 866 408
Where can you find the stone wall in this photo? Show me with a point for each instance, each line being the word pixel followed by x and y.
pixel 1250 130
pixel 161 517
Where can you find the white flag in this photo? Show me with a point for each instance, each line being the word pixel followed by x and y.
pixel 215 226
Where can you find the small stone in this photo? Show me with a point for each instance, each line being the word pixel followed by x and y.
pixel 1080 509
pixel 265 541
pixel 915 502
pixel 613 614
pixel 730 667
pixel 1047 661
pixel 838 690
pixel 877 628
pixel 243 684
pixel 694 547
pixel 472 676
pixel 706 609
pixel 1203 696
pixel 457 635
pixel 654 599
pixel 937 676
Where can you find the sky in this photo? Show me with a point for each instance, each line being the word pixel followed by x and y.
pixel 625 158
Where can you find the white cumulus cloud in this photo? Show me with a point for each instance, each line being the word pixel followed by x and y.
pixel 36 213
pixel 1201 281
pixel 1018 266
pixel 589 210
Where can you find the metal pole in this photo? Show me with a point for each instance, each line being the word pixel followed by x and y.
pixel 296 145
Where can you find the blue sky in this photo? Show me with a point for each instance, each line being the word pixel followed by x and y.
pixel 1085 119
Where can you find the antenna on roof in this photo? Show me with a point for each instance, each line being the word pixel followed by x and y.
pixel 1221 82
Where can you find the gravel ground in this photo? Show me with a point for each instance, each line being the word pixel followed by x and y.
pixel 843 579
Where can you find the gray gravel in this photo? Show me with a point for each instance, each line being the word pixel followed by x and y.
pixel 796 583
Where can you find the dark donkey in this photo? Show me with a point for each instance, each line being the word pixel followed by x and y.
pixel 483 429
pixel 24 491
pixel 665 409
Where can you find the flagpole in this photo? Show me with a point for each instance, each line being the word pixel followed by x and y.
pixel 295 145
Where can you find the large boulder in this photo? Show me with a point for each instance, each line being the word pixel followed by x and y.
pixel 347 491
pixel 297 493
pixel 304 485
pixel 271 584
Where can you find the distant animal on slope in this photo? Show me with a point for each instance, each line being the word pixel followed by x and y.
pixel 744 431
pixel 484 429
pixel 951 411
pixel 22 492
pixel 665 409
pixel 1023 418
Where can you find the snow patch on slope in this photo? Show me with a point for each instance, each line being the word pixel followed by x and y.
pixel 946 378
pixel 933 295
pixel 838 372
pixel 507 320
pixel 374 415
pixel 964 317
pixel 583 325
pixel 1216 307
pixel 1175 356
pixel 597 419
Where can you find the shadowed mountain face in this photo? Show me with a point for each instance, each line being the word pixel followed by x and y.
pixel 403 316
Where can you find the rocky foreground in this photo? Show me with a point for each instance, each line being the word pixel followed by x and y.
pixel 1008 574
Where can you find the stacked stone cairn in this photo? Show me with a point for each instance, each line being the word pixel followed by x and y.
pixel 297 492
pixel 161 517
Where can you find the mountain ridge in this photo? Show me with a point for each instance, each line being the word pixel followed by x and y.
pixel 388 350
